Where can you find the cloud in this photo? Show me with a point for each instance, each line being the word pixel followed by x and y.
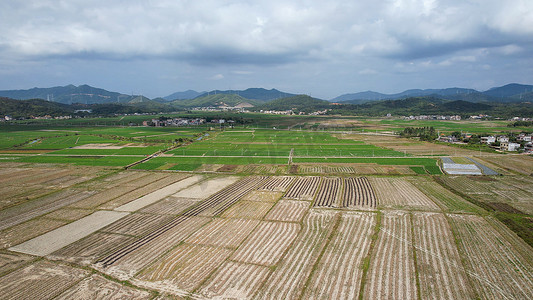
pixel 367 72
pixel 277 42
pixel 217 77
pixel 259 32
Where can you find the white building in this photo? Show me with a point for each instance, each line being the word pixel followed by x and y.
pixel 509 146
pixel 503 139
pixel 488 139
pixel 528 148
pixel 524 137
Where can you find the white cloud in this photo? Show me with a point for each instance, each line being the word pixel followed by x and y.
pixel 256 38
pixel 217 77
pixel 367 72
pixel 299 30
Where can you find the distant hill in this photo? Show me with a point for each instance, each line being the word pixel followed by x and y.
pixel 365 96
pixel 188 94
pixel 146 106
pixel 509 90
pixel 260 94
pixel 414 106
pixel 298 103
pixel 508 93
pixel 68 94
pixel 138 99
pixel 524 97
pixel 372 96
pixel 32 107
pixel 218 100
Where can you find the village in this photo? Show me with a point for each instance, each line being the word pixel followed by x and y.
pixel 503 143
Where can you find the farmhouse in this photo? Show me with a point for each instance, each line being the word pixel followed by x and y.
pixel 506 146
pixel 528 148
pixel 488 139
pixel 524 137
pixel 503 139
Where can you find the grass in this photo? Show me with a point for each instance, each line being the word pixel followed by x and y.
pixel 521 224
pixel 123 151
pixel 418 170
pixel 450 201
pixel 112 161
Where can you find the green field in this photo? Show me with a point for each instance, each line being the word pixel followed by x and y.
pixel 120 146
pixel 111 161
pixel 280 143
pixel 196 146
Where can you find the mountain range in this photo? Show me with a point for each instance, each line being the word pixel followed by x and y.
pixel 86 94
pixel 508 93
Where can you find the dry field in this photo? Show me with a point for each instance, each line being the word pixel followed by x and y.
pixel 520 164
pixel 510 193
pixel 496 269
pixel 441 273
pixel 408 145
pixel 339 273
pixel 350 169
pixel 391 274
pixel 22 184
pixel 399 193
pixel 150 235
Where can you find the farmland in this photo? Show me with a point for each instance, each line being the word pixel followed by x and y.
pixel 239 150
pixel 216 235
pixel 253 213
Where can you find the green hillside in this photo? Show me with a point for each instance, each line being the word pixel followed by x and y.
pixel 300 103
pixel 32 107
pixel 215 100
pixel 434 106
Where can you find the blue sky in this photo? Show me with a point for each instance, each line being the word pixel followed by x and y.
pixel 322 48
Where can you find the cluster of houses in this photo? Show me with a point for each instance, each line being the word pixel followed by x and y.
pixel 174 122
pixel 506 145
pixel 433 117
pixel 479 117
pixel 46 117
pixel 241 107
pixel 291 112
pixel 501 142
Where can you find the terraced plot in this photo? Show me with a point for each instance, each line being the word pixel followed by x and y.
pixel 484 249
pixel 10 261
pixel 88 250
pixel 340 270
pixel 440 270
pixel 277 184
pixel 127 260
pixel 304 188
pixel 67 234
pixel 27 230
pixel 234 280
pixel 288 280
pixel 391 274
pixel 97 287
pixel 183 269
pixel 267 244
pixel 29 210
pixel 358 193
pixel 329 193
pixel 216 233
pixel 248 210
pixel 137 224
pixel 260 237
pixel 511 194
pixel 288 211
pixel 170 206
pixel 47 280
pixel 399 193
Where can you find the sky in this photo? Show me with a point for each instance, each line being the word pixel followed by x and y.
pixel 315 47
